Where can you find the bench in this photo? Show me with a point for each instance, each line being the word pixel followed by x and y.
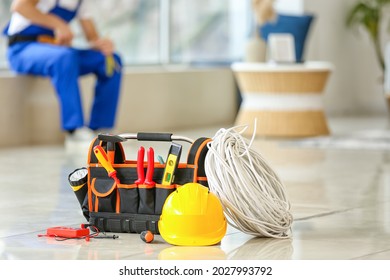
pixel 152 99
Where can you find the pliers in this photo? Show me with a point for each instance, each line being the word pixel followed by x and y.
pixel 140 167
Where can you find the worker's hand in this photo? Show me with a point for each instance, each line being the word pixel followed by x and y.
pixel 63 35
pixel 106 46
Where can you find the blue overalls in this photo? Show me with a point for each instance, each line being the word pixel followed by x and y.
pixel 64 65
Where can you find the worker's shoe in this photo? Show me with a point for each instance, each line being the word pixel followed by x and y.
pixel 78 142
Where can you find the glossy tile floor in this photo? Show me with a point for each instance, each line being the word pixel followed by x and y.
pixel 340 202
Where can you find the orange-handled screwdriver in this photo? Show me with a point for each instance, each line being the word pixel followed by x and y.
pixel 102 157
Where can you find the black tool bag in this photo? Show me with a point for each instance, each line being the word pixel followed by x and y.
pixel 126 206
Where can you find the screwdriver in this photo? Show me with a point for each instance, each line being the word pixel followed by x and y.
pixel 147 236
pixel 103 159
pixel 110 65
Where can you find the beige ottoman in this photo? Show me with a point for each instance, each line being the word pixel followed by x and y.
pixel 285 99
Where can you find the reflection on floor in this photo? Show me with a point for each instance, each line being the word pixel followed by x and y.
pixel 340 201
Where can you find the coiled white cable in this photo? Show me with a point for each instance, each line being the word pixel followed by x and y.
pixel 251 193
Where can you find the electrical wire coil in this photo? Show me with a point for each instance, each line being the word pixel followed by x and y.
pixel 252 195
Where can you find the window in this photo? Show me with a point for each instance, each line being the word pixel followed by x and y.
pixel 205 31
pixel 4 17
pixel 151 32
pixel 133 26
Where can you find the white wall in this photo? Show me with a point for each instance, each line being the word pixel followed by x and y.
pixel 289 6
pixel 355 86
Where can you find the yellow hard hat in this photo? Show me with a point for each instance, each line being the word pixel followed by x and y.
pixel 192 216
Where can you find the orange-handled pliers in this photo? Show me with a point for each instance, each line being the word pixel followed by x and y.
pixel 140 167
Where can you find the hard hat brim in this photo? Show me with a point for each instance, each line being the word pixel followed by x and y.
pixel 211 238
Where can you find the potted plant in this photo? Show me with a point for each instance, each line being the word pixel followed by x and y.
pixel 369 15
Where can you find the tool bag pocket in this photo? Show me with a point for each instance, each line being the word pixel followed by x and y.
pixel 146 199
pixel 103 193
pixel 128 198
pixel 162 192
pixel 122 205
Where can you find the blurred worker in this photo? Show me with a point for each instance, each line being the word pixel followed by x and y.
pixel 40 39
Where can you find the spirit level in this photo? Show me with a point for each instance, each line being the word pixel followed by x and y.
pixel 171 164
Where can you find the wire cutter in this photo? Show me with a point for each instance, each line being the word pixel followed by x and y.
pixel 140 167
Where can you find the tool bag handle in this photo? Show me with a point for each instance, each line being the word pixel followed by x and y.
pixel 152 136
pixel 108 139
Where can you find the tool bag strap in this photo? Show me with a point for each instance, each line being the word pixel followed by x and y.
pixel 153 136
pixel 129 223
pixel 196 156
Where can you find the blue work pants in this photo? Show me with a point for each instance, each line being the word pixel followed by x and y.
pixel 64 66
